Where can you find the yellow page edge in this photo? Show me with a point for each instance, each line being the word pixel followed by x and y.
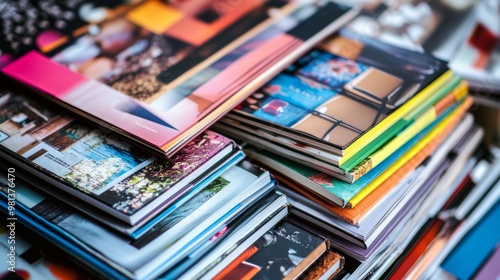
pixel 397 115
pixel 410 154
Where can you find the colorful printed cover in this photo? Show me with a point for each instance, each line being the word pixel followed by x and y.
pixel 480 241
pixel 136 258
pixel 34 260
pixel 285 252
pixel 139 67
pixel 341 89
pixel 99 165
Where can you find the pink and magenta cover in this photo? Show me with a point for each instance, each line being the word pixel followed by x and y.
pixel 152 71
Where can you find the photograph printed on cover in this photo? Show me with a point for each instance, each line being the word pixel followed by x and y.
pixel 117 173
pixel 135 53
pixel 346 73
pixel 279 251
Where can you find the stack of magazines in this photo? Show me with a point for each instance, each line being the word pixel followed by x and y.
pixel 369 140
pixel 104 111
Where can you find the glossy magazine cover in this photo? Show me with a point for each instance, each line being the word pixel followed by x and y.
pixel 145 65
pixel 162 246
pixel 341 89
pixel 98 165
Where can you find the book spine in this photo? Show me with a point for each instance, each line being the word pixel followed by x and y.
pixel 418 125
pixel 440 131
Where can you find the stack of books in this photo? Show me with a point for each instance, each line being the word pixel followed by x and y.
pixel 478 56
pixel 362 134
pixel 351 159
pixel 139 188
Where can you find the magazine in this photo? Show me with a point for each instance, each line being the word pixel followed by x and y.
pixel 171 239
pixel 145 65
pixel 96 166
pixel 252 224
pixel 313 101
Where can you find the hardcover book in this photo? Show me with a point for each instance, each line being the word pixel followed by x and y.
pixel 97 167
pixel 348 96
pixel 141 66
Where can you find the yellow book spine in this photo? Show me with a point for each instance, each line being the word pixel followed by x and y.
pixel 401 112
pixel 423 121
pixel 411 153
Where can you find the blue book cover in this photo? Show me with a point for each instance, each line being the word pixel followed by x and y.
pixel 475 247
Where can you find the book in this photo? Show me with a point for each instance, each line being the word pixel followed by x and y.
pixel 283 252
pixel 144 64
pixel 259 218
pixel 327 267
pixel 313 100
pixel 344 194
pixel 169 241
pixel 327 164
pixel 96 166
